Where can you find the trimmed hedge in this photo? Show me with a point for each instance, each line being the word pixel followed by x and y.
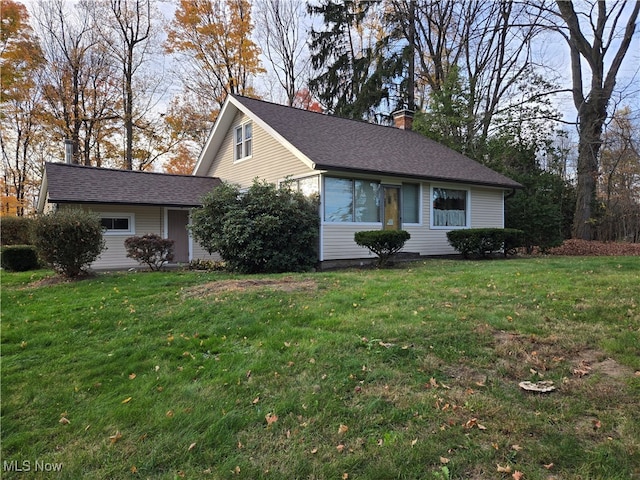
pixel 482 242
pixel 150 249
pixel 384 243
pixel 19 258
pixel 16 230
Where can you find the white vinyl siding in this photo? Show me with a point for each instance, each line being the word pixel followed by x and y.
pixel 339 244
pixel 200 253
pixel 487 210
pixel 269 160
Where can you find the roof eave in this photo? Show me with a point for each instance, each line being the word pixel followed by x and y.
pixel 333 168
pixel 137 204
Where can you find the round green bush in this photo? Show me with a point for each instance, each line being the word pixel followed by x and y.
pixel 69 240
pixel 266 229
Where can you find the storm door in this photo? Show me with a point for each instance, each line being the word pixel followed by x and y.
pixel 391 208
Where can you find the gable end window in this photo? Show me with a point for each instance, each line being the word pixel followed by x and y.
pixel 243 139
pixel 449 208
pixel 117 224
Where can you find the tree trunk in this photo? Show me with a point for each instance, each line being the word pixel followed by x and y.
pixel 591 122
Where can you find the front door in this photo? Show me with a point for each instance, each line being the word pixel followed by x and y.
pixel 391 208
pixel 177 221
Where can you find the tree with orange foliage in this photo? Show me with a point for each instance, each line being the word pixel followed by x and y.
pixel 305 101
pixel 181 163
pixel 218 56
pixel 20 62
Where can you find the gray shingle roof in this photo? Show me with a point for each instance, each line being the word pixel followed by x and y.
pixel 79 184
pixel 335 143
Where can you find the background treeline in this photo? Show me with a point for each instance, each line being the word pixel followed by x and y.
pixel 138 85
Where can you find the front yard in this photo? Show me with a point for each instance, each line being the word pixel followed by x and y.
pixel 411 372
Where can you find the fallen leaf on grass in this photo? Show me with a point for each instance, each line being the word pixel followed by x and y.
pixel 134 469
pixel 340 448
pixel 469 424
pixel 132 376
pixel 505 469
pixel 413 442
pixel 444 460
pixel 583 369
pixel 517 448
pixel 191 447
pixel 271 418
pixel 596 424
pixel 517 475
pixel 548 466
pixel 342 429
pixel 127 400
pixel 314 451
pixel 64 421
pixel 115 438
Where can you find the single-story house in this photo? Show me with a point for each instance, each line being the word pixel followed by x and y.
pixel 367 176
pixel 129 203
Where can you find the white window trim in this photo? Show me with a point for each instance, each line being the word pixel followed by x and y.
pixel 132 223
pixel 467 208
pixel 242 127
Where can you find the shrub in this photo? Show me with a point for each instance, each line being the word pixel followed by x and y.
pixel 384 243
pixel 481 242
pixel 19 258
pixel 69 240
pixel 265 229
pixel 150 249
pixel 16 230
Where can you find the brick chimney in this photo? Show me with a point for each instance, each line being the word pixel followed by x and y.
pixel 403 119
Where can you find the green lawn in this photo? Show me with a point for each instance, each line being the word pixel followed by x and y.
pixel 409 373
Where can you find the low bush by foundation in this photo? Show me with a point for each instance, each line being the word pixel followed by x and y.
pixel 482 242
pixel 150 249
pixel 19 258
pixel 383 243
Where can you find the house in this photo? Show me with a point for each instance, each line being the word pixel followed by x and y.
pixel 129 203
pixel 367 176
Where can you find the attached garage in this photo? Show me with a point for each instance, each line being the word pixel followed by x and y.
pixel 129 203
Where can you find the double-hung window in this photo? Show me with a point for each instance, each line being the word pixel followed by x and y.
pixel 449 207
pixel 243 141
